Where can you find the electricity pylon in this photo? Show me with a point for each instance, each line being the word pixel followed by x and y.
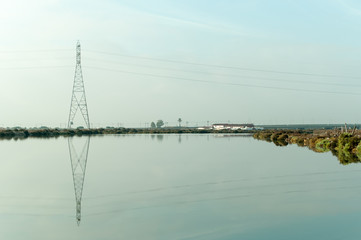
pixel 78 166
pixel 78 99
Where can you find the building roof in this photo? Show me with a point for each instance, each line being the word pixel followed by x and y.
pixel 234 124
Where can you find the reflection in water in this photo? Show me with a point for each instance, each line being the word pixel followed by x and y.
pixel 343 151
pixel 199 189
pixel 160 137
pixel 78 165
pixel 346 157
pixel 237 135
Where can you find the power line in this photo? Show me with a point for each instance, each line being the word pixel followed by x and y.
pixel 191 63
pixel 35 67
pixel 223 83
pixel 35 59
pixel 220 182
pixel 229 75
pixel 212 82
pixel 225 67
pixel 35 50
pixel 236 195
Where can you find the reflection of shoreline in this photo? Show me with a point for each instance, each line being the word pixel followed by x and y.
pixel 78 166
pixel 346 146
pixel 23 133
pixel 160 137
pixel 233 135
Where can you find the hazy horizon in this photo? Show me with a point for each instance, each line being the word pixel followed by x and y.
pixel 261 62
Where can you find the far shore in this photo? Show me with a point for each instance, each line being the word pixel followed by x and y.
pixel 16 133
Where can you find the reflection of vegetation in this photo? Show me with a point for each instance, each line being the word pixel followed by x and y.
pixel 160 137
pixel 323 145
pixel 281 143
pixel 264 136
pixel 346 157
pixel 358 150
pixel 345 146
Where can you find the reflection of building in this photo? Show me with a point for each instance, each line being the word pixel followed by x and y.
pixel 221 126
pixel 78 166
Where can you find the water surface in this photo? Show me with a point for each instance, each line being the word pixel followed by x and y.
pixel 174 187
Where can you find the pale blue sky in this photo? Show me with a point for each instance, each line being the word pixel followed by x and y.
pixel 244 37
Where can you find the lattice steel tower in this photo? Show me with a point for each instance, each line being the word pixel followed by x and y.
pixel 78 166
pixel 78 99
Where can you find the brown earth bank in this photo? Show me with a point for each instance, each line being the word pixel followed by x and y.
pixel 344 144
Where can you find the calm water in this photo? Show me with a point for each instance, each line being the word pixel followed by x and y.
pixel 174 187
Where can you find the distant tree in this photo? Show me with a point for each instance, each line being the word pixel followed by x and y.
pixel 160 123
pixel 179 121
pixel 152 125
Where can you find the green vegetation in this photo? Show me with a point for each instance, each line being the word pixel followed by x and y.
pixel 160 123
pixel 323 145
pixel 345 146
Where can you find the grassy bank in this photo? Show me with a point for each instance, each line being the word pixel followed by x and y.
pixel 346 146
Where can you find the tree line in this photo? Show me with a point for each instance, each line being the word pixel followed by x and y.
pixel 160 123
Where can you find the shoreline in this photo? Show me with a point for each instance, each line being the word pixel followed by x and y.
pixel 22 133
pixel 344 144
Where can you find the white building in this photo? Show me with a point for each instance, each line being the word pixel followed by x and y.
pixel 221 126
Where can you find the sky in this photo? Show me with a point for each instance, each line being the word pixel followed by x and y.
pixel 205 61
